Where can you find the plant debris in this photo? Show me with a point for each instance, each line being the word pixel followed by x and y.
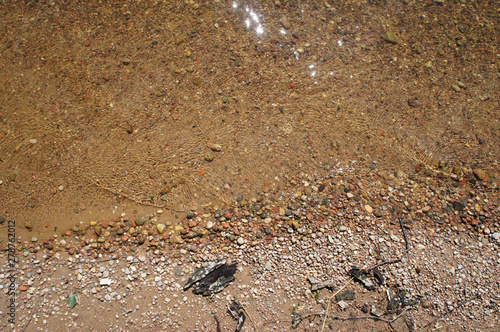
pixel 211 279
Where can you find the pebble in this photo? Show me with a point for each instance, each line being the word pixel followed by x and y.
pixel 105 282
pixel 209 156
pixel 389 37
pixel 368 208
pixel 160 228
pixel 425 303
pixel 496 236
pixel 216 147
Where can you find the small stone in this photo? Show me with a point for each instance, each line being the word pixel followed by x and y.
pixel 216 147
pixel 376 311
pixel 23 288
pixel 349 195
pixel 105 282
pixel 228 215
pixel 343 305
pixel 209 156
pixel 455 87
pixel 176 239
pixel 192 224
pixel 197 81
pixel 496 236
pixel 426 209
pixel 389 37
pixel 188 54
pixel 342 228
pixel 160 228
pixel 209 224
pixel 142 257
pixel 286 23
pixel 165 190
pixel 413 103
pixel 98 230
pixel 241 241
pixel 425 303
pixel 141 221
pixel 34 239
pixel 480 174
pixel 368 208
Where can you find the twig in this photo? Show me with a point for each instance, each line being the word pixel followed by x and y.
pixel 404 234
pixel 363 317
pixel 384 263
pixel 249 317
pixel 451 310
pixel 218 324
pixel 330 300
pixel 395 319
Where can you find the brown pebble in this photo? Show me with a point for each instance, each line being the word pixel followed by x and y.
pixel 192 223
pixel 23 288
pixel 228 215
pixel 87 43
pixel 480 174
pixel 413 103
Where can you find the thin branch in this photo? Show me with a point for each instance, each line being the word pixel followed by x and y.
pixel 404 234
pixel 330 300
pixel 384 263
pixel 249 317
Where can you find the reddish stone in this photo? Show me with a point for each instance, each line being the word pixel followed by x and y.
pixel 23 288
pixel 474 222
pixel 126 218
pixel 228 215
pixel 226 226
pixel 105 224
pixel 192 224
pixel 166 237
pixel 309 217
pixel 124 238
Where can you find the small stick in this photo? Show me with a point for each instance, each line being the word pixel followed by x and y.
pixel 249 317
pixel 404 234
pixel 330 300
pixel 218 324
pixel 385 263
pixel 395 319
pixel 363 317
